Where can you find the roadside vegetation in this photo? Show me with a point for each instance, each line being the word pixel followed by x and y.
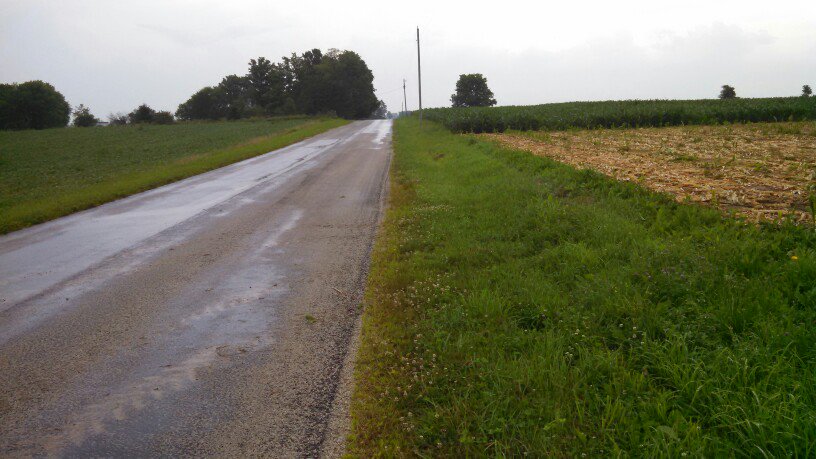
pixel 629 113
pixel 50 173
pixel 756 170
pixel 519 306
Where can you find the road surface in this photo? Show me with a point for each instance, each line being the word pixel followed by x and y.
pixel 212 316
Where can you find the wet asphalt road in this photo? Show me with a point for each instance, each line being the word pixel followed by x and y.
pixel 212 316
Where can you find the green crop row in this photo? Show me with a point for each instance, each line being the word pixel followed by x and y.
pixel 627 114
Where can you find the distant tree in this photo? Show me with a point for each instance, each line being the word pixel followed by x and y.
pixel 203 105
pixel 83 117
pixel 232 97
pixel 336 82
pixel 472 91
pixel 266 84
pixel 301 80
pixel 806 91
pixel 728 92
pixel 381 112
pixel 142 114
pixel 163 117
pixel 32 105
pixel 117 119
pixel 345 85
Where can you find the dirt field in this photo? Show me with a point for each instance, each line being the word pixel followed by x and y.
pixel 759 171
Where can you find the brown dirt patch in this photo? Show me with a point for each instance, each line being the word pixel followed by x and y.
pixel 759 171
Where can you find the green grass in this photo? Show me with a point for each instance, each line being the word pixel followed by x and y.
pixel 624 113
pixel 518 306
pixel 50 173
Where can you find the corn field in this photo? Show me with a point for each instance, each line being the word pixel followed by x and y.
pixel 625 114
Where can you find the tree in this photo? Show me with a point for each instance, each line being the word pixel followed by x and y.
pixel 32 105
pixel 806 91
pixel 472 91
pixel 163 117
pixel 300 77
pixel 337 82
pixel 203 105
pixel 83 117
pixel 344 85
pixel 231 99
pixel 142 114
pixel 381 112
pixel 117 119
pixel 266 84
pixel 233 96
pixel 728 92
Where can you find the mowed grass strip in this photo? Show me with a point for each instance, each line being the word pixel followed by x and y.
pixel 50 173
pixel 518 306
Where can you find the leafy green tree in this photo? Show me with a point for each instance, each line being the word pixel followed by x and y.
pixel 32 105
pixel 337 82
pixel 266 84
pixel 233 97
pixel 346 86
pixel 472 91
pixel 203 105
pixel 300 78
pixel 806 91
pixel 728 92
pixel 163 117
pixel 142 114
pixel 83 117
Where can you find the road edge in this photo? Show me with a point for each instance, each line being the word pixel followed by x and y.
pixel 336 438
pixel 38 212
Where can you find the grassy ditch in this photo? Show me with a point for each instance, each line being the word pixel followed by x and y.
pixel 50 173
pixel 518 306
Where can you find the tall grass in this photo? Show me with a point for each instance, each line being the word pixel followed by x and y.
pixel 517 306
pixel 50 173
pixel 627 113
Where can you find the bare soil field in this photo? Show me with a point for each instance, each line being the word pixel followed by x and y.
pixel 758 171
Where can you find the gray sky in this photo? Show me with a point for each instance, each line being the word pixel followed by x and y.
pixel 113 55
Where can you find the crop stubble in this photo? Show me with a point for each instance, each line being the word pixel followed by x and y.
pixel 759 171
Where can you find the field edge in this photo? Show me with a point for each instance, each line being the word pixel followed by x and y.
pixel 395 414
pixel 43 210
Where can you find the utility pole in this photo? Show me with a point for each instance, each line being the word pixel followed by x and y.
pixel 404 96
pixel 419 80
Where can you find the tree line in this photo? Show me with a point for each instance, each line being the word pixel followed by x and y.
pixel 337 82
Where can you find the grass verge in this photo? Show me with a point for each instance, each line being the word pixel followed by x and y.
pixel 55 172
pixel 517 306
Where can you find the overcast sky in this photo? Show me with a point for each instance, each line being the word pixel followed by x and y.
pixel 113 55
